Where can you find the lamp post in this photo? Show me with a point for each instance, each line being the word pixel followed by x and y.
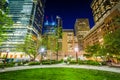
pixel 76 51
pixel 41 51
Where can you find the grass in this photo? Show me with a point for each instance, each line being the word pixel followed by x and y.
pixel 59 74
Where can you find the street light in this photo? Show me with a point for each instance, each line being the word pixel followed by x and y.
pixel 76 51
pixel 41 51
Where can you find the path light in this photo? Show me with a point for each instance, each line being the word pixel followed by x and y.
pixel 42 50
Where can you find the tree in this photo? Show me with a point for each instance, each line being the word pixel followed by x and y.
pixel 116 21
pixel 5 21
pixel 58 36
pixel 95 51
pixel 2 4
pixel 112 42
pixel 51 42
pixel 30 47
pixel 112 39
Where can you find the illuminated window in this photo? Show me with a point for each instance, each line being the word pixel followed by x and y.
pixel 11 56
pixel 21 56
pixel 15 56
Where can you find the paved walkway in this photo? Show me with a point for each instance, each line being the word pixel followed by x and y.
pixel 104 68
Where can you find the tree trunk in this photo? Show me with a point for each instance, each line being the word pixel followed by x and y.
pixel 57 56
pixel 41 59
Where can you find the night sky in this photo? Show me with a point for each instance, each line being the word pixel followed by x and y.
pixel 69 10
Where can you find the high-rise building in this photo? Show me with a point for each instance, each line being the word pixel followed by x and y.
pixel 69 42
pixel 37 17
pixel 102 7
pixel 53 28
pixel 81 29
pixel 50 26
pixel 105 21
pixel 59 21
pixel 27 16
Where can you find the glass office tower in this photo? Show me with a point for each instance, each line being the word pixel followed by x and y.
pixel 20 12
pixel 27 16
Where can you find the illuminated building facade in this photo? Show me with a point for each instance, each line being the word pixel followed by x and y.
pixel 50 29
pixel 50 26
pixel 101 8
pixel 81 29
pixel 105 23
pixel 27 16
pixel 69 42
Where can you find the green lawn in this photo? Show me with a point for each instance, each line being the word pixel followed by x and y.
pixel 59 74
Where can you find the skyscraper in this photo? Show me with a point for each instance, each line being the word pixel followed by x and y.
pixel 102 7
pixel 59 21
pixel 105 13
pixel 49 26
pixel 81 28
pixel 27 16
pixel 37 16
pixel 53 27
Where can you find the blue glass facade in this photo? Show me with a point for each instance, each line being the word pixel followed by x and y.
pixel 49 27
pixel 28 18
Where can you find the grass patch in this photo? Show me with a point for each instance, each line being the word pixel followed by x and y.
pixel 59 74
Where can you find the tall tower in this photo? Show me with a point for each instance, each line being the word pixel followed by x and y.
pixel 49 27
pixel 37 17
pixel 101 7
pixel 105 13
pixel 27 16
pixel 53 27
pixel 81 29
pixel 59 21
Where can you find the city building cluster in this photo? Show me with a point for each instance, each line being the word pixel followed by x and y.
pixel 28 18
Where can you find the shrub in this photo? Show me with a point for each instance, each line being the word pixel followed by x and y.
pixel 6 65
pixel 103 63
pixel 46 63
pixel 34 63
pixel 91 62
pixel 59 61
pixel 20 64
pixel 82 62
pixel 51 62
pixel 73 62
